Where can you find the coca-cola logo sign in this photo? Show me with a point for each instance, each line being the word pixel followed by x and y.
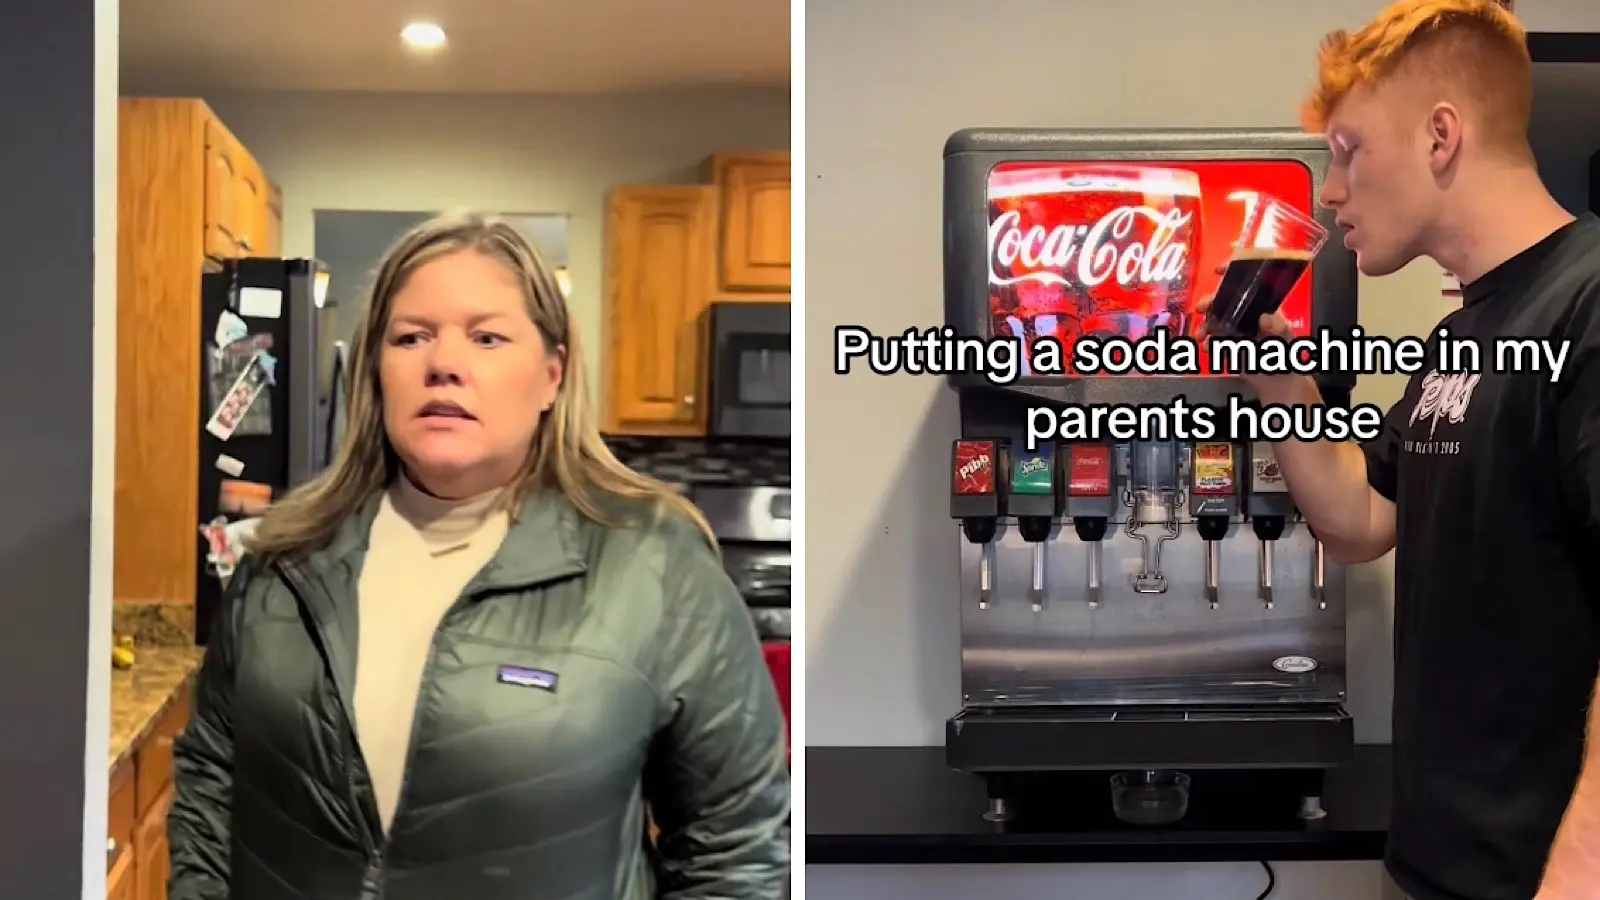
pixel 1112 248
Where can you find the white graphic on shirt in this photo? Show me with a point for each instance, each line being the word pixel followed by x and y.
pixel 1444 398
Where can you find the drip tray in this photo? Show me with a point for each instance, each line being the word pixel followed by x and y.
pixel 1057 738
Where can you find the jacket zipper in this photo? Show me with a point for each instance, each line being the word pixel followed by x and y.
pixel 378 850
pixel 372 878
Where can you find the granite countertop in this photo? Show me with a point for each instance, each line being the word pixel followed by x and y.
pixel 140 695
pixel 905 806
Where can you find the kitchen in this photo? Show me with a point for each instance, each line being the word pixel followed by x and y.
pixel 658 178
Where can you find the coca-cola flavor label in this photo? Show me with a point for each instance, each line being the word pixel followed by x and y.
pixel 1090 471
pixel 1121 248
pixel 974 467
pixel 1213 468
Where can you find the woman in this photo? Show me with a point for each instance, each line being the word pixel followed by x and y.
pixel 464 661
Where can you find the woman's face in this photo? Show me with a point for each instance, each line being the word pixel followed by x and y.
pixel 465 375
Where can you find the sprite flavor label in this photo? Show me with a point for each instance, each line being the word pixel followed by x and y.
pixel 1034 473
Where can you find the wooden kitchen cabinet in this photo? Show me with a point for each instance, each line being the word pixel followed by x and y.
pixel 188 194
pixel 660 249
pixel 141 796
pixel 670 251
pixel 753 244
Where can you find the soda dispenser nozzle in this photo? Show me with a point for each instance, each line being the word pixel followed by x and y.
pixel 1155 495
pixel 1090 498
pixel 975 500
pixel 1270 509
pixel 1214 499
pixel 1032 499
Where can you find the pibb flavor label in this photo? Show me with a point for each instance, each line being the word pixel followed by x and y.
pixel 974 467
pixel 1090 471
pixel 1034 473
pixel 1213 468
pixel 1116 249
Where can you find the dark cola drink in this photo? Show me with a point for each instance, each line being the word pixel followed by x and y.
pixel 1255 284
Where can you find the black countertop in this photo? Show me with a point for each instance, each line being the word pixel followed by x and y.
pixel 902 806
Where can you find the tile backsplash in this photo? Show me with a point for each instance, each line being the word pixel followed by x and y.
pixel 690 461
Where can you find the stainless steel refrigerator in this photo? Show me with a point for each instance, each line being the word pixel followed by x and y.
pixel 272 395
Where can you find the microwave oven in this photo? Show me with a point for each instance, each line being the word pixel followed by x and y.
pixel 749 375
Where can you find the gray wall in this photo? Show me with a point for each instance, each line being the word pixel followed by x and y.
pixel 882 663
pixel 58 64
pixel 352 242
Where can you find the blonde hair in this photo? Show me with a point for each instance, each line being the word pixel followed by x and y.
pixel 567 455
pixel 1475 45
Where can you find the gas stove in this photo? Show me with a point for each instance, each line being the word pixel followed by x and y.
pixel 752 525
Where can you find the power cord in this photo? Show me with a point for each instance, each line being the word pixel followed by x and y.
pixel 1272 881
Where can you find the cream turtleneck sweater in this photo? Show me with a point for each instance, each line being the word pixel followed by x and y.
pixel 422 551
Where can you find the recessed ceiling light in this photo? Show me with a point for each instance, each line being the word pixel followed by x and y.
pixel 423 36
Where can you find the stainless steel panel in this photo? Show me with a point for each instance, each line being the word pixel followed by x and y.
pixel 1134 648
pixel 753 514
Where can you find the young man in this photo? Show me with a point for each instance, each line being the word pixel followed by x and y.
pixel 1486 484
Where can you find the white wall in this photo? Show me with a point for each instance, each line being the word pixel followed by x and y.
pixel 884 89
pixel 1559 15
pixel 511 154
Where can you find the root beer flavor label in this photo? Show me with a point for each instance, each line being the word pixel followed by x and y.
pixel 974 467
pixel 1265 476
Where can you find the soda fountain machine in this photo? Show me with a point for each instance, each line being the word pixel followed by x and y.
pixel 1185 619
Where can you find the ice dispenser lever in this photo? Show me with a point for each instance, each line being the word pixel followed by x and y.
pixel 1155 494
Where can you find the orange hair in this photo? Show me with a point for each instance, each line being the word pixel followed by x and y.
pixel 1474 46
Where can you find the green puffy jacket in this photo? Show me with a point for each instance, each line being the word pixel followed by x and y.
pixel 587 673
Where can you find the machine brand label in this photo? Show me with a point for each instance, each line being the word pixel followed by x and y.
pixel 1035 472
pixel 1121 247
pixel 1294 665
pixel 1091 471
pixel 1213 469
pixel 1265 476
pixel 974 467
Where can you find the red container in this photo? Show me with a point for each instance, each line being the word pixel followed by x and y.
pixel 777 654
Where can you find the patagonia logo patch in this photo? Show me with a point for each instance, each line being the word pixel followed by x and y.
pixel 534 678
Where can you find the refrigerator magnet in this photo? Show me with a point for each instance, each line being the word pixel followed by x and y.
pixel 269 365
pixel 247 498
pixel 246 388
pixel 230 328
pixel 260 303
pixel 229 466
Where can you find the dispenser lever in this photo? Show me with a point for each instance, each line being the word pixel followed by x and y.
pixel 1213 502
pixel 1094 574
pixel 1090 495
pixel 1318 574
pixel 976 501
pixel 1213 573
pixel 1264 556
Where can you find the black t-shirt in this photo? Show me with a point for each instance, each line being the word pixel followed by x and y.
pixel 1496 481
